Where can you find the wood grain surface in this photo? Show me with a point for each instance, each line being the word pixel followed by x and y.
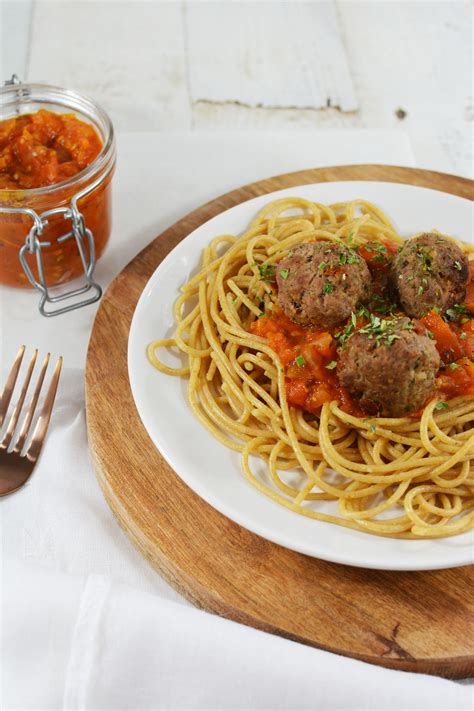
pixel 335 71
pixel 415 621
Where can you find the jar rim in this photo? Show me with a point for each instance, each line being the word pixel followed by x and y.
pixel 21 93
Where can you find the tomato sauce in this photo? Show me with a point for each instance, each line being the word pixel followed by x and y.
pixel 309 356
pixel 41 150
pixel 44 148
pixel 309 360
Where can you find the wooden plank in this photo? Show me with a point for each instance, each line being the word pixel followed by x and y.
pixel 15 16
pixel 276 54
pixel 129 56
pixel 417 57
pixel 376 616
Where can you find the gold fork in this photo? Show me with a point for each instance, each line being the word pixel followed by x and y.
pixel 17 466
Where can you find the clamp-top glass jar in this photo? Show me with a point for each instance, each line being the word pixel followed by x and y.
pixel 52 234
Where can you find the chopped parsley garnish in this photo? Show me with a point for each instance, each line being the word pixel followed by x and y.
pixel 463 335
pixel 284 273
pixel 350 237
pixel 379 258
pixel 408 326
pixel 457 310
pixel 426 260
pixel 350 258
pixel 381 330
pixel 343 336
pixel 363 312
pixel 323 266
pixel 328 288
pixel 331 365
pixel 457 265
pixel 373 428
pixel 375 247
pixel 441 405
pixel 453 366
pixel 430 334
pixel 267 271
pixel 421 289
pixel 299 360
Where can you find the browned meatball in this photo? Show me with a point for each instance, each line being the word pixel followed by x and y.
pixel 388 367
pixel 429 271
pixel 321 283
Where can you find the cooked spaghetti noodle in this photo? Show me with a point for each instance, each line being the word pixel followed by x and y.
pixel 407 477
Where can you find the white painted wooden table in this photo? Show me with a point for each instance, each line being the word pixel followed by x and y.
pixel 238 65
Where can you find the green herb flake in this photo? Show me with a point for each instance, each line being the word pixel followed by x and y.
pixel 267 271
pixel 426 260
pixel 391 338
pixel 457 310
pixel 352 258
pixel 328 288
pixel 463 335
pixel 441 405
pixel 457 265
pixel 323 266
pixel 373 428
pixel 453 366
pixel 373 247
pixel 331 365
pixel 381 330
pixel 299 360
pixel 284 273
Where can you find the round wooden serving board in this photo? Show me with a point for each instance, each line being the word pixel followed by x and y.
pixel 416 621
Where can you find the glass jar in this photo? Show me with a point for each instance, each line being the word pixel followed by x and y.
pixel 51 235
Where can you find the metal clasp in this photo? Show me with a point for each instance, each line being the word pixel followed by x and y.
pixel 33 245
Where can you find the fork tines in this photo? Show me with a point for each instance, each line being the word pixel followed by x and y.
pixel 10 436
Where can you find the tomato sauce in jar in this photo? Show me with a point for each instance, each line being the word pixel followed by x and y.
pixel 47 157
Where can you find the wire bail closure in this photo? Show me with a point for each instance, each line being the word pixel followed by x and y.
pixel 34 245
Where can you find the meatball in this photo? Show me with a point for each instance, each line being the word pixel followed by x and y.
pixel 321 283
pixel 389 367
pixel 429 271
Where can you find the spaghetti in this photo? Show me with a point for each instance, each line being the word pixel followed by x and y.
pixel 406 477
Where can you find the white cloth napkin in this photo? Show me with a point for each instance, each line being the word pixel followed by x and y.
pixel 86 623
pixel 109 646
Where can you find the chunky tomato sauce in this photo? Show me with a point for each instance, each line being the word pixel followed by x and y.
pixel 309 356
pixel 44 148
pixel 41 150
pixel 309 359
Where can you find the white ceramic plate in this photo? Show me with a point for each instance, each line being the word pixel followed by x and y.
pixel 213 471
